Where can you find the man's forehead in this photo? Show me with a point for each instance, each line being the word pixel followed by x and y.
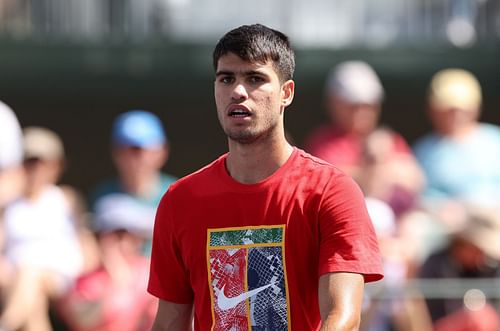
pixel 234 63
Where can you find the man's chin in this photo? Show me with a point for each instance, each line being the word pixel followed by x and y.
pixel 244 138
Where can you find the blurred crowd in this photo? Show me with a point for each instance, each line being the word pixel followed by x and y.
pixel 435 205
pixel 70 262
pixel 78 263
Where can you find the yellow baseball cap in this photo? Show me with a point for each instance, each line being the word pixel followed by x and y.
pixel 455 88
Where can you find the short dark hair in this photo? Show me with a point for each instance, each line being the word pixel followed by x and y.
pixel 258 43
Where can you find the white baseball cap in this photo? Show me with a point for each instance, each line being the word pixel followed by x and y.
pixel 11 147
pixel 356 82
pixel 119 211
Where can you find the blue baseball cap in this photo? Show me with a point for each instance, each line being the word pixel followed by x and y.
pixel 138 128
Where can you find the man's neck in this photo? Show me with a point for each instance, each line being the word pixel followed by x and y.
pixel 252 163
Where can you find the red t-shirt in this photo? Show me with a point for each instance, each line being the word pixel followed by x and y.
pixel 251 255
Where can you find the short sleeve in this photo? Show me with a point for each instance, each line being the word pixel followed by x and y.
pixel 168 279
pixel 347 238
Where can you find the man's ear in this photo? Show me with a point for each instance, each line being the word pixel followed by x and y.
pixel 287 92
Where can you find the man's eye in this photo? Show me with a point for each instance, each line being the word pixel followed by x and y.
pixel 256 79
pixel 226 80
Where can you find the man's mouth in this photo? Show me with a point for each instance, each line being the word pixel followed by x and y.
pixel 239 111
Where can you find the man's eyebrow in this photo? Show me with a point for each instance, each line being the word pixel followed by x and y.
pixel 224 73
pixel 254 72
pixel 244 73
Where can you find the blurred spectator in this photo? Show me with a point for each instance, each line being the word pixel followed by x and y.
pixel 395 311
pixel 139 150
pixel 459 157
pixel 44 236
pixel 112 297
pixel 378 158
pixel 473 252
pixel 11 173
pixel 392 176
pixel 353 96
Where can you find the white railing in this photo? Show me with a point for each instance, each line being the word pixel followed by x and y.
pixel 436 288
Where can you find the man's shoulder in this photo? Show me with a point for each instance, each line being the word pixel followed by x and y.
pixel 316 171
pixel 314 163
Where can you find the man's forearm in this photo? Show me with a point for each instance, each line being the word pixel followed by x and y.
pixel 334 323
pixel 340 296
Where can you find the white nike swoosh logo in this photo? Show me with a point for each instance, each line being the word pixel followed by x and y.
pixel 225 303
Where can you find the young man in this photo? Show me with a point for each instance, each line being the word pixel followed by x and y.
pixel 266 237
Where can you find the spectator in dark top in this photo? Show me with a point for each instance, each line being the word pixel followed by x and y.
pixel 473 252
pixel 139 149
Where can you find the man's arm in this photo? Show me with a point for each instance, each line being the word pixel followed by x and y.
pixel 173 317
pixel 340 300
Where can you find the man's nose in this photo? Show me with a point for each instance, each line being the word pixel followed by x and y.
pixel 240 92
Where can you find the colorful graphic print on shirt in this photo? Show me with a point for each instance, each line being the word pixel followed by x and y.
pixel 248 278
